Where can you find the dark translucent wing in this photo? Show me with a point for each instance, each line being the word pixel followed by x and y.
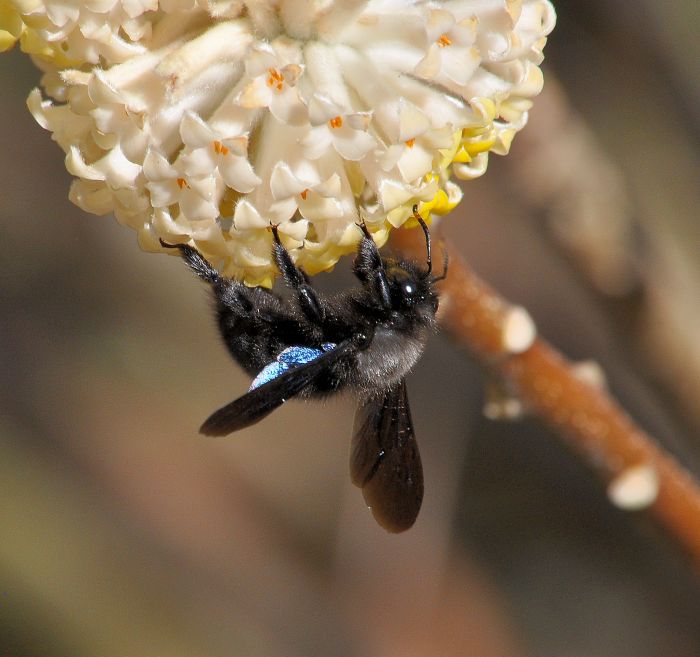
pixel 256 404
pixel 385 461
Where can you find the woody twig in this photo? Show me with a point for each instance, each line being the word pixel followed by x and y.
pixel 637 471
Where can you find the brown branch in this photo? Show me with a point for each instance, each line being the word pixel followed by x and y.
pixel 584 414
pixel 614 238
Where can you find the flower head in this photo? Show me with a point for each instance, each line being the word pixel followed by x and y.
pixel 203 121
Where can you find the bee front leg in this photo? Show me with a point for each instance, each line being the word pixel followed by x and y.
pixel 369 268
pixel 297 279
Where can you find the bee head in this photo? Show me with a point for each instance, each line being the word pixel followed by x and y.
pixel 412 286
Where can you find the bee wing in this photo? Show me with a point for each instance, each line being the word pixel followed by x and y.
pixel 385 461
pixel 261 401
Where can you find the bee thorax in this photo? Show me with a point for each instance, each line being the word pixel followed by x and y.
pixel 389 358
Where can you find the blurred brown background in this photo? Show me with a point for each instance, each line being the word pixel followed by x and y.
pixel 123 533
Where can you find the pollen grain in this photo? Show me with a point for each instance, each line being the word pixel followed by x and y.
pixel 275 79
pixel 220 148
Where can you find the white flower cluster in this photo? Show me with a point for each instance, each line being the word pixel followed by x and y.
pixel 203 121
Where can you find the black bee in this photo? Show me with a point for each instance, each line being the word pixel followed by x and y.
pixel 366 339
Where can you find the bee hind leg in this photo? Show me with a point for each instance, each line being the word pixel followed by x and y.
pixel 196 261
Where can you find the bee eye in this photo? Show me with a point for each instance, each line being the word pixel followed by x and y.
pixel 436 304
pixel 408 289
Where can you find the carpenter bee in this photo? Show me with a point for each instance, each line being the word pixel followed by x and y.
pixel 366 339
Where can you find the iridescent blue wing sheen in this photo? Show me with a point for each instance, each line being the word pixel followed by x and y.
pixel 266 397
pixel 289 358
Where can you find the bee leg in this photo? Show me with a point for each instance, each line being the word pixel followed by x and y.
pixel 297 279
pixel 229 293
pixel 369 268
pixel 196 261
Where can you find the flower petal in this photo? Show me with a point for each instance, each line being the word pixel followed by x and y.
pixel 176 113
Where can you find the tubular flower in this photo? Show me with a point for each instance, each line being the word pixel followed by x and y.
pixel 11 26
pixel 203 121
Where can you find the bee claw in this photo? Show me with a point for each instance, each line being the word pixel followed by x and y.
pixel 275 233
pixel 363 227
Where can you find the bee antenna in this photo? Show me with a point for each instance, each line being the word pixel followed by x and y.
pixel 424 226
pixel 445 262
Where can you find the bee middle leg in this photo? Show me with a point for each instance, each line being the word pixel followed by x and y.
pixel 297 279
